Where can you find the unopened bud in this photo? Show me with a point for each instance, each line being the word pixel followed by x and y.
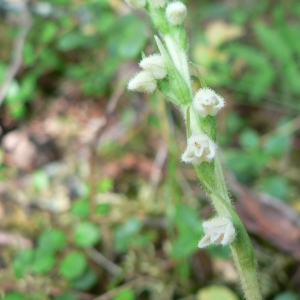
pixel 155 65
pixel 136 3
pixel 176 12
pixel 142 82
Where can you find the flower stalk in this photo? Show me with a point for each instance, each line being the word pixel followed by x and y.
pixel 170 73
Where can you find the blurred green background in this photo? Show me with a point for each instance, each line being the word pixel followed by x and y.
pixel 94 201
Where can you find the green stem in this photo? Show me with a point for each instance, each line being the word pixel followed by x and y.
pixel 241 249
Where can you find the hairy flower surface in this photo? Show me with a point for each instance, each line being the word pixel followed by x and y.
pixel 155 65
pixel 219 230
pixel 136 3
pixel 207 102
pixel 159 3
pixel 176 12
pixel 199 148
pixel 142 82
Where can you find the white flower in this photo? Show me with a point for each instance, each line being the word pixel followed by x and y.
pixel 176 12
pixel 155 65
pixel 136 3
pixel 159 3
pixel 199 148
pixel 219 230
pixel 207 102
pixel 142 82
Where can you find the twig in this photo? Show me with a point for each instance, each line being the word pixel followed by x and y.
pixel 159 161
pixel 25 25
pixel 101 260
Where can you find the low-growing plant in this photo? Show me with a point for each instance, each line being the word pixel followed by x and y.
pixel 169 72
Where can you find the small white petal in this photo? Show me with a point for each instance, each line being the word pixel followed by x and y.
pixel 159 3
pixel 136 3
pixel 219 230
pixel 143 82
pixel 155 65
pixel 207 102
pixel 199 148
pixel 176 12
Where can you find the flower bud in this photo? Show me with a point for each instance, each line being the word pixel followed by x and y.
pixel 142 82
pixel 158 3
pixel 199 148
pixel 176 12
pixel 155 65
pixel 207 102
pixel 136 3
pixel 219 230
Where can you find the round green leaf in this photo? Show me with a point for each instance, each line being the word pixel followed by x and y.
pixel 216 292
pixel 22 262
pixel 73 266
pixel 125 294
pixel 80 208
pixel 13 296
pixel 86 281
pixel 43 262
pixel 86 234
pixel 52 240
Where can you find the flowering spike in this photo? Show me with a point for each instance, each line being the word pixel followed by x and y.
pixel 176 12
pixel 159 3
pixel 136 3
pixel 142 82
pixel 155 65
pixel 219 230
pixel 207 102
pixel 199 148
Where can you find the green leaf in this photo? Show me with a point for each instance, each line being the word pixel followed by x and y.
pixel 190 230
pixel 66 296
pixel 125 294
pixel 275 185
pixel 40 179
pixel 22 262
pixel 86 281
pixel 124 234
pixel 273 42
pixel 287 296
pixel 105 185
pixel 14 296
pixel 277 145
pixel 52 240
pixel 80 208
pixel 73 266
pixel 42 262
pixel 102 208
pixel 216 292
pixel 128 37
pixel 249 139
pixel 76 40
pixel 48 32
pixel 86 234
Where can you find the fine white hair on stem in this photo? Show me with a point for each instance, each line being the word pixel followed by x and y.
pixel 219 230
pixel 199 148
pixel 207 102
